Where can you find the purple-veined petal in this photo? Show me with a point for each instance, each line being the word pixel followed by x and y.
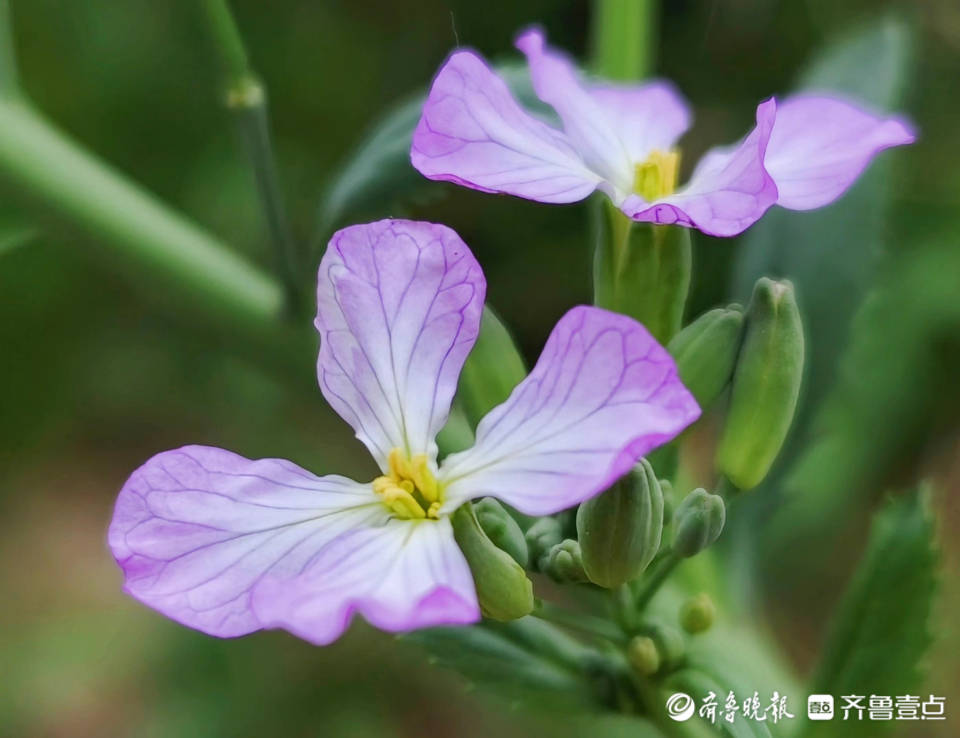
pixel 398 310
pixel 474 133
pixel 602 394
pixel 820 145
pixel 645 117
pixel 196 529
pixel 404 576
pixel 585 121
pixel 729 189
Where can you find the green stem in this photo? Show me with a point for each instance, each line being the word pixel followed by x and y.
pixel 46 169
pixel 246 98
pixel 9 85
pixel 658 575
pixel 588 624
pixel 624 38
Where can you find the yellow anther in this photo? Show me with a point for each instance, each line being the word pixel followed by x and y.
pixel 657 176
pixel 409 488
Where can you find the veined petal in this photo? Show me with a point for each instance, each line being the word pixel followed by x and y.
pixel 645 117
pixel 404 576
pixel 602 394
pixel 472 132
pixel 820 145
pixel 196 529
pixel 729 190
pixel 398 310
pixel 585 121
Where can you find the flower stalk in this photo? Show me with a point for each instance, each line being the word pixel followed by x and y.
pixel 624 38
pixel 246 98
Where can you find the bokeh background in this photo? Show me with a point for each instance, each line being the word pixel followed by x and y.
pixel 99 369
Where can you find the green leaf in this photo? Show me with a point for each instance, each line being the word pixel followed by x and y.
pixel 378 177
pixel 831 254
pixel 525 660
pixel 15 231
pixel 881 631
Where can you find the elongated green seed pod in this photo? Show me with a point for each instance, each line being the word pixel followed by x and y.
pixel 619 531
pixel 766 384
pixel 502 529
pixel 706 352
pixel 503 589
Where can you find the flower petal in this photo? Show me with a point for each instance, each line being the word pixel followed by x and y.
pixel 645 117
pixel 820 145
pixel 399 306
pixel 585 122
pixel 406 575
pixel 729 190
pixel 472 132
pixel 602 394
pixel 195 530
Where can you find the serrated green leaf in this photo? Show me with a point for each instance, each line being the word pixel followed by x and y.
pixel 524 660
pixel 378 176
pixel 881 631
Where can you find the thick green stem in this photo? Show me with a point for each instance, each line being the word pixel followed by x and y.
pixel 658 575
pixel 246 98
pixel 624 38
pixel 47 170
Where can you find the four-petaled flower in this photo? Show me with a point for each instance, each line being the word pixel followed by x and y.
pixel 229 546
pixel 804 152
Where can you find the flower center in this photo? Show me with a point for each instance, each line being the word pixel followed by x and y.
pixel 657 176
pixel 409 490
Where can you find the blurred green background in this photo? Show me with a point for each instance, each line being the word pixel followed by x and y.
pixel 99 370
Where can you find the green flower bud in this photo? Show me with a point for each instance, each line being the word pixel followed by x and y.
pixel 543 535
pixel 643 271
pixel 619 530
pixel 669 501
pixel 503 589
pixel 698 522
pixel 706 352
pixel 698 613
pixel 491 371
pixel 671 647
pixel 502 529
pixel 766 384
pixel 564 562
pixel 643 655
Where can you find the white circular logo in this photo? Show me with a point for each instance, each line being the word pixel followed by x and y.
pixel 680 706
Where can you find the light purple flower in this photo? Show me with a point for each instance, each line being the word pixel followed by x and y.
pixel 229 546
pixel 804 152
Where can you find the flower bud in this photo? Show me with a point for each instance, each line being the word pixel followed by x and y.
pixel 706 352
pixel 698 613
pixel 669 642
pixel 643 271
pixel 564 562
pixel 502 529
pixel 697 522
pixel 503 589
pixel 766 384
pixel 669 501
pixel 643 655
pixel 543 535
pixel 620 530
pixel 491 371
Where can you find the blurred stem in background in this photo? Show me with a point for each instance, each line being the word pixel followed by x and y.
pixel 246 97
pixel 55 179
pixel 624 38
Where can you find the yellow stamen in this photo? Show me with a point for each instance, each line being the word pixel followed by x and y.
pixel 409 489
pixel 657 176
